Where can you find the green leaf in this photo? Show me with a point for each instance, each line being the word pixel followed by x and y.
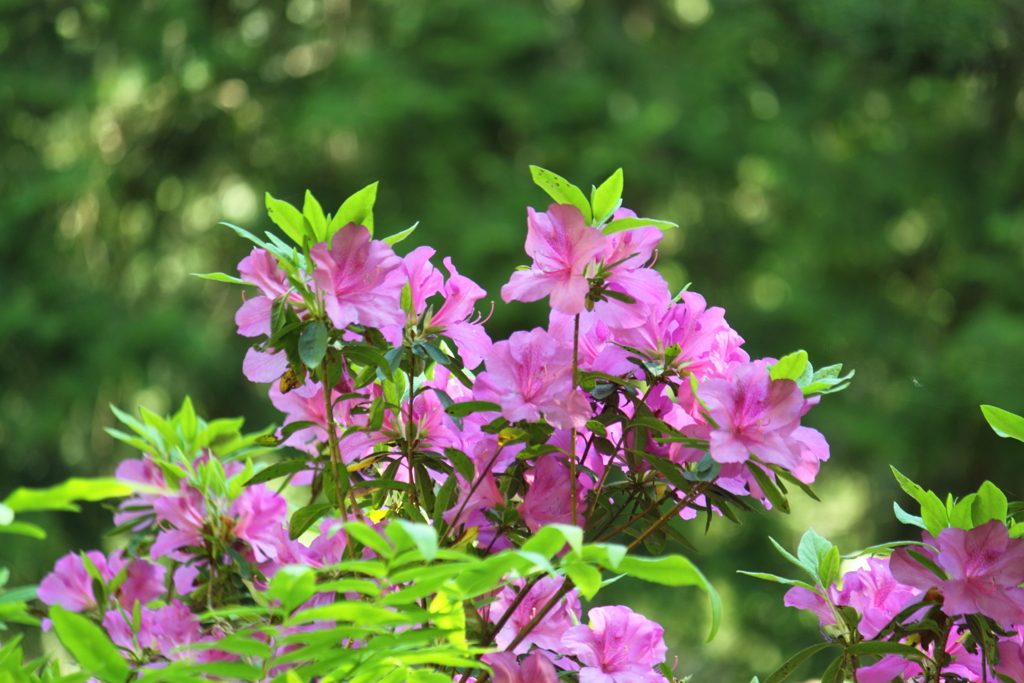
pixel 1004 423
pixel 989 504
pixel 884 647
pixel 292 585
pixel 221 277
pixel 827 381
pixel 771 491
pixel 906 517
pixel 630 223
pixel 933 512
pixel 783 672
pixel 562 191
pixel 288 218
pixel 313 213
pixel 608 197
pixel 277 470
pixel 960 516
pixel 546 542
pixel 90 646
pixel 63 495
pixel 356 209
pixel 464 408
pixel 313 343
pixel 370 538
pixel 24 529
pixel 423 536
pixel 799 563
pixel 790 367
pixel 586 578
pixel 834 672
pixel 811 550
pixel 778 579
pixel 461 462
pixel 303 518
pixel 400 236
pixel 673 570
pixel 828 570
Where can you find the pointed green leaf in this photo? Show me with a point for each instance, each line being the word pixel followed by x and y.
pixel 791 366
pixel 562 191
pixel 630 223
pixel 608 197
pixel 783 672
pixel 673 570
pixel 90 646
pixel 1004 423
pixel 356 209
pixel 288 218
pixel 989 504
pixel 314 213
pixel 400 236
pixel 313 343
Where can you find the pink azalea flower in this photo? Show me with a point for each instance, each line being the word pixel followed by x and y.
pixel 802 598
pixel 260 268
pixel 535 668
pixel 548 633
pixel 354 276
pixel 460 295
pixel 263 367
pixel 619 646
pixel 186 514
pixel 139 506
pixel 548 500
pixel 562 247
pixel 259 520
pixel 707 345
pixel 529 375
pixel 876 595
pixel 70 585
pixel 624 258
pixel 985 567
pixel 755 414
pixel 1011 655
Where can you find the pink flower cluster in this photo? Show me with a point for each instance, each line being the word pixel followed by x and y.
pixel 983 569
pixel 623 376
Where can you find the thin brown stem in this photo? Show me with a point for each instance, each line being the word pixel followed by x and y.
pixel 665 518
pixel 640 515
pixel 500 624
pixel 335 452
pixel 567 585
pixel 573 484
pixel 472 489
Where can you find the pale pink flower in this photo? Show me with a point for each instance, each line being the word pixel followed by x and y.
pixel 806 599
pixel 1011 655
pixel 548 633
pixel 755 414
pixel 354 276
pixel 548 499
pixel 619 646
pixel 562 247
pixel 139 506
pixel 624 260
pixel 529 375
pixel 186 513
pixel 985 568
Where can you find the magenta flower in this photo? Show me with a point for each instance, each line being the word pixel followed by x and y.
pixel 624 259
pixel 549 498
pixel 876 595
pixel 535 668
pixel 529 375
pixel 985 567
pixel 548 633
pixel 755 414
pixel 803 598
pixel 186 514
pixel 260 268
pixel 259 520
pixel 355 278
pixel 1011 655
pixel 707 345
pixel 562 247
pixel 70 585
pixel 452 318
pixel 619 646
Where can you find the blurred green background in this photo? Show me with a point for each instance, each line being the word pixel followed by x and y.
pixel 848 177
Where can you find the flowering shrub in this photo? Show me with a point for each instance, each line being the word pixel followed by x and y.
pixel 948 608
pixel 447 500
